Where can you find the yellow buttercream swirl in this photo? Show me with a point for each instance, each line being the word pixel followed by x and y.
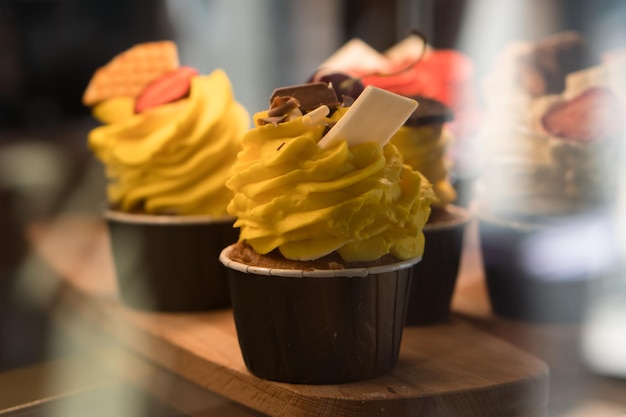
pixel 174 158
pixel 423 148
pixel 362 202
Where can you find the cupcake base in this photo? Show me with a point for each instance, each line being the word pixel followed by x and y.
pixel 516 287
pixel 170 263
pixel 13 244
pixel 434 278
pixel 319 326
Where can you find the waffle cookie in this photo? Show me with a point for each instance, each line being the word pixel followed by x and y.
pixel 128 73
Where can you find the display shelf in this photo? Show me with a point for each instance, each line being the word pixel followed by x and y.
pixel 449 369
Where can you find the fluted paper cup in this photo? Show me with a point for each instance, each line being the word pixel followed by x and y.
pixel 525 282
pixel 319 326
pixel 170 263
pixel 435 277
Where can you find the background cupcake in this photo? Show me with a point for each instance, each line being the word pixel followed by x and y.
pixel 168 141
pixel 412 68
pixel 548 181
pixel 423 141
pixel 320 275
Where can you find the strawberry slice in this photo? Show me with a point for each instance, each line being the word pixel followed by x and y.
pixel 594 114
pixel 169 87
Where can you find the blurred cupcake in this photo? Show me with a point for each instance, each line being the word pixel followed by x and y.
pixel 547 182
pixel 422 141
pixel 13 245
pixel 412 68
pixel 330 230
pixel 168 141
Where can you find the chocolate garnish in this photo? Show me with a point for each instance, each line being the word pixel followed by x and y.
pixel 544 69
pixel 347 101
pixel 280 110
pixel 558 55
pixel 282 105
pixel 310 96
pixel 271 120
pixel 428 112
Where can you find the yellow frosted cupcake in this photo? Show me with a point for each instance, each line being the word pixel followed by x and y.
pixel 423 141
pixel 329 232
pixel 168 142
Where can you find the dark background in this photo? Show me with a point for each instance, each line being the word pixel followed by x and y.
pixel 50 48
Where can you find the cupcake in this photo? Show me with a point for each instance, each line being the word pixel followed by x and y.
pixel 330 225
pixel 168 141
pixel 524 81
pixel 13 245
pixel 422 141
pixel 411 68
pixel 546 184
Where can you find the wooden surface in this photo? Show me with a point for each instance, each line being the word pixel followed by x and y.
pixel 114 380
pixel 452 369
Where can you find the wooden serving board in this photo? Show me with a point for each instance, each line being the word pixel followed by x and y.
pixel 449 370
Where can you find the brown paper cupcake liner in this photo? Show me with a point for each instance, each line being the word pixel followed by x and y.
pixel 514 290
pixel 319 327
pixel 434 278
pixel 170 263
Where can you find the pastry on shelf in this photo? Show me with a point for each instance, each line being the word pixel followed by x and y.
pixel 551 142
pixel 432 78
pixel 168 140
pixel 331 224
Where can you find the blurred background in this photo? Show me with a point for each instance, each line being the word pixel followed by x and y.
pixel 49 49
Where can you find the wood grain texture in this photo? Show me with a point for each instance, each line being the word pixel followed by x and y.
pixel 451 369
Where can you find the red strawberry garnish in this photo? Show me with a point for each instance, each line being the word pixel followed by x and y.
pixel 592 115
pixel 169 87
pixel 439 74
pixel 442 74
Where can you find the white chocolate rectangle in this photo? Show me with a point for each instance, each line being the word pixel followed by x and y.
pixel 373 117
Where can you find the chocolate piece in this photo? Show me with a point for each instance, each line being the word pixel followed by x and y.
pixel 345 86
pixel 543 71
pixel 282 105
pixel 310 96
pixel 428 112
pixel 275 120
pixel 347 101
pixel 558 55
